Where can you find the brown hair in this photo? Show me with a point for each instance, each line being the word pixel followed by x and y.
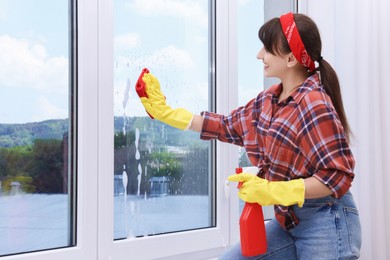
pixel 274 41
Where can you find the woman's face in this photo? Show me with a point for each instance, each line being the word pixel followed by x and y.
pixel 274 65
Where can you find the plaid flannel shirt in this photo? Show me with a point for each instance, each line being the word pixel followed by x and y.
pixel 298 137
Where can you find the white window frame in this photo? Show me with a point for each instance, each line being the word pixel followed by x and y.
pixel 87 135
pixel 95 200
pixel 189 244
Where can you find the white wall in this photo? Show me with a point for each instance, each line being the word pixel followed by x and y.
pixel 355 41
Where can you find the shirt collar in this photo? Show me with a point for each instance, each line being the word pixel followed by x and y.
pixel 310 83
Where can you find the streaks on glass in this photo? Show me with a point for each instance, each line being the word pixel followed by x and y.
pixel 124 103
pixel 146 173
pixel 124 178
pixel 137 153
pixel 167 169
pixel 139 177
pixel 138 157
pixel 126 94
pixel 124 181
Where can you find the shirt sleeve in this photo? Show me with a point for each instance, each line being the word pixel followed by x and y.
pixel 229 129
pixel 324 144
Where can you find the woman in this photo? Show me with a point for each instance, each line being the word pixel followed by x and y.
pixel 297 134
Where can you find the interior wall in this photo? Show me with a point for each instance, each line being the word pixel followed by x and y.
pixel 355 42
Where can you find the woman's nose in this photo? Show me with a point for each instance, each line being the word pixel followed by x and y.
pixel 260 54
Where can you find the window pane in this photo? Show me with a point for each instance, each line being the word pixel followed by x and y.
pixel 161 175
pixel 35 144
pixel 251 16
pixel 250 70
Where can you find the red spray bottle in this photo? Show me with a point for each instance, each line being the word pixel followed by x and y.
pixel 252 228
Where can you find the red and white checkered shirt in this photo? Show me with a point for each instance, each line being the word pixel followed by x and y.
pixel 298 137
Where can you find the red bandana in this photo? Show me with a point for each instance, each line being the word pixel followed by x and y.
pixel 295 42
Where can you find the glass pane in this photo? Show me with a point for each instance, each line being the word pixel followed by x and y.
pixel 35 209
pixel 251 16
pixel 250 70
pixel 161 174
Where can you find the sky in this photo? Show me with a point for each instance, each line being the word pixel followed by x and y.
pixel 169 37
pixel 33 60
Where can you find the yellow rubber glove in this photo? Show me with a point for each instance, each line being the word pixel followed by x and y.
pixel 156 106
pixel 263 192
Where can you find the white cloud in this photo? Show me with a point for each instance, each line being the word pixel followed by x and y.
pixel 125 41
pixel 46 109
pixel 126 102
pixel 188 9
pixel 169 57
pixel 194 97
pixel 26 64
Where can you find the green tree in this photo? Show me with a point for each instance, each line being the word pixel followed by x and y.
pixel 26 183
pixel 3 163
pixel 47 165
pixel 165 164
pixel 123 140
pixel 14 161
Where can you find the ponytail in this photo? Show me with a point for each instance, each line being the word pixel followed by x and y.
pixel 331 86
pixel 312 41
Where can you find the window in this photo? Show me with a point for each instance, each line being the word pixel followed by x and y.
pixel 36 126
pixel 144 189
pixel 250 70
pixel 162 176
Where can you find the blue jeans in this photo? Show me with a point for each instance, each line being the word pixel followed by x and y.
pixel 329 229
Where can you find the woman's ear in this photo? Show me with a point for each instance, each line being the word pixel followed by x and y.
pixel 291 60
